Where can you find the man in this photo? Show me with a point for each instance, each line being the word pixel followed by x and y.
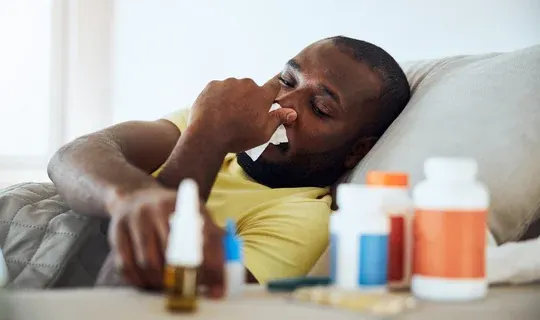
pixel 338 96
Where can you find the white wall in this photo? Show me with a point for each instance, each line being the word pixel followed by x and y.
pixel 167 50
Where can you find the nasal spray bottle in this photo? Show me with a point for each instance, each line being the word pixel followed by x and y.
pixel 359 239
pixel 235 272
pixel 184 250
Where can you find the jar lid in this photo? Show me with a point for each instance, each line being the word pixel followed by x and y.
pixel 450 168
pixel 365 200
pixel 387 178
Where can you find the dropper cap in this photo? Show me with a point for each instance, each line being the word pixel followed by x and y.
pixel 232 244
pixel 186 228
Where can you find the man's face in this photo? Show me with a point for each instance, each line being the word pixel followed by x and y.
pixel 333 96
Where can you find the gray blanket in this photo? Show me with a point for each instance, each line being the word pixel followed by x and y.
pixel 45 244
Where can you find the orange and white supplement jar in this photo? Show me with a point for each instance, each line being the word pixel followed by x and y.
pixel 449 230
pixel 398 206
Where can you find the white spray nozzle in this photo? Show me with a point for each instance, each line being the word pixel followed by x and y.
pixel 187 200
pixel 186 226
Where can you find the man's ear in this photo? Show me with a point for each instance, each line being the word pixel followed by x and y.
pixel 359 151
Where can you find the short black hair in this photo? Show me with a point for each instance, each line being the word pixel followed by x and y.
pixel 395 91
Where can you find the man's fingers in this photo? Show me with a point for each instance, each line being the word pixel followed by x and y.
pixel 136 230
pixel 126 260
pixel 153 249
pixel 162 228
pixel 271 89
pixel 281 116
pixel 213 265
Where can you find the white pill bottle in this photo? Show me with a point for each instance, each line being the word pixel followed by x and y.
pixel 449 250
pixel 359 239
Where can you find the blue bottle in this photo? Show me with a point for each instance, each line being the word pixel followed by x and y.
pixel 235 272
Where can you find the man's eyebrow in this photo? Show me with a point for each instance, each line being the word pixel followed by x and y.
pixel 331 93
pixel 293 64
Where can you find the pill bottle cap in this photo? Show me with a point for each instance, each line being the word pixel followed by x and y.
pixel 359 199
pixel 387 179
pixel 451 168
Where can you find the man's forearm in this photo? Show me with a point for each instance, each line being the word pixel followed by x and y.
pixel 89 170
pixel 196 157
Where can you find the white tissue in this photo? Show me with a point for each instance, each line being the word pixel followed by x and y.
pixel 514 262
pixel 280 136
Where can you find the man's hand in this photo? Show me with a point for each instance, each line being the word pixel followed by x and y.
pixel 138 236
pixel 235 113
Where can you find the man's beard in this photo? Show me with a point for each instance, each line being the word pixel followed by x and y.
pixel 313 170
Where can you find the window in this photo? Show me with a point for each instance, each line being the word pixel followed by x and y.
pixel 25 86
pixel 25 61
pixel 54 79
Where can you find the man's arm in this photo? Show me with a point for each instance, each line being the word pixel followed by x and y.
pixel 197 157
pixel 118 159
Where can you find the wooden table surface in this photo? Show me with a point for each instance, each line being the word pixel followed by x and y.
pixel 512 303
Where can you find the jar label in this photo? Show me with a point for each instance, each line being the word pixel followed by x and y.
pixel 360 260
pixel 450 244
pixel 397 249
pixel 373 260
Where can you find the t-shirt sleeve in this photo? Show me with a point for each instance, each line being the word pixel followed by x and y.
pixel 179 118
pixel 285 240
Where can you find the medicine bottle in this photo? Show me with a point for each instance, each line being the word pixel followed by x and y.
pixel 184 250
pixel 449 232
pixel 398 206
pixel 235 272
pixel 359 239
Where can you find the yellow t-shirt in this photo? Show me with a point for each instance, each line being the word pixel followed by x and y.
pixel 284 230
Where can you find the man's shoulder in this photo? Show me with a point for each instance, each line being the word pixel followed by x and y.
pixel 180 118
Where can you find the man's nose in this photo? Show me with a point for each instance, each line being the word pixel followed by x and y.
pixel 291 99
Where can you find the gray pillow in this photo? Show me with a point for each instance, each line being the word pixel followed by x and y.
pixel 486 107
